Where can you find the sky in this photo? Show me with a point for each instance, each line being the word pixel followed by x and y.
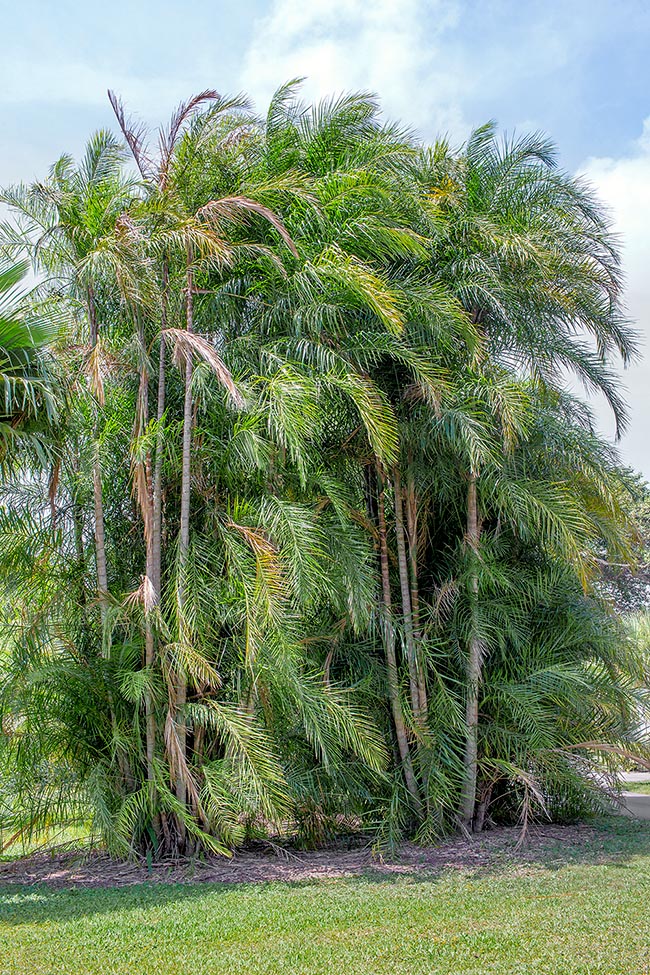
pixel 579 70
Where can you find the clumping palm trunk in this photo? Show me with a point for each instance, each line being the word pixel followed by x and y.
pixel 78 527
pixel 184 546
pixel 100 540
pixel 150 654
pixel 411 507
pixel 391 660
pixel 147 517
pixel 405 588
pixel 474 668
pixel 157 475
pixel 154 547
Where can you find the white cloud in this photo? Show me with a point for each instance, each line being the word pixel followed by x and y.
pixel 624 186
pixel 393 48
pixel 432 62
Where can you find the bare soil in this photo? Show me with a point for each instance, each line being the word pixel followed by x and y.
pixel 547 846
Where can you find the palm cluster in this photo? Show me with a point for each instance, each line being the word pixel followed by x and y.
pixel 313 535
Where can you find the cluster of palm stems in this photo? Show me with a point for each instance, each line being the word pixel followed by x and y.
pixel 301 527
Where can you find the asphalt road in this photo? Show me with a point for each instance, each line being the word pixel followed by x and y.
pixel 635 805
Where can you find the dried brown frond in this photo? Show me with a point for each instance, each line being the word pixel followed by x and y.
pixel 135 135
pixel 188 344
pixel 127 226
pixel 95 372
pixel 425 392
pixel 177 762
pixel 234 209
pixel 145 595
pixel 269 571
pixel 142 493
pixel 256 538
pixel 236 136
pixel 532 793
pixel 168 137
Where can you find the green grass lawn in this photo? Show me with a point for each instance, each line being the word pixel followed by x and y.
pixel 51 839
pixel 577 910
pixel 641 787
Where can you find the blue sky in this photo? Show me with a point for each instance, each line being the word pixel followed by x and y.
pixel 578 70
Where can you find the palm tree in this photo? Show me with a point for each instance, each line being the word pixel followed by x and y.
pixel 389 547
pixel 68 225
pixel 348 312
pixel 198 229
pixel 155 175
pixel 528 252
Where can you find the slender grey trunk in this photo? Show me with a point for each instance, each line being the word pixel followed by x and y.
pixel 184 536
pixel 474 668
pixel 157 475
pixel 405 588
pixel 150 715
pixel 100 540
pixel 412 535
pixel 482 807
pixel 77 521
pixel 51 492
pixel 154 543
pixel 146 504
pixel 391 660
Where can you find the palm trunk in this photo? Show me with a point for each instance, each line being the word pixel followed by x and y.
pixel 391 660
pixel 474 668
pixel 482 807
pixel 184 539
pixel 407 612
pixel 78 526
pixel 157 475
pixel 150 715
pixel 412 534
pixel 154 543
pixel 100 541
pixel 145 495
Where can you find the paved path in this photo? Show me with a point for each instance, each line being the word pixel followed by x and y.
pixel 634 804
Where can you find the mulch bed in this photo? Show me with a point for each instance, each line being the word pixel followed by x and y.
pixel 550 845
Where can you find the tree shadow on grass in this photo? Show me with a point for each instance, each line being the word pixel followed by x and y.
pixel 612 840
pixel 40 904
pixel 615 841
